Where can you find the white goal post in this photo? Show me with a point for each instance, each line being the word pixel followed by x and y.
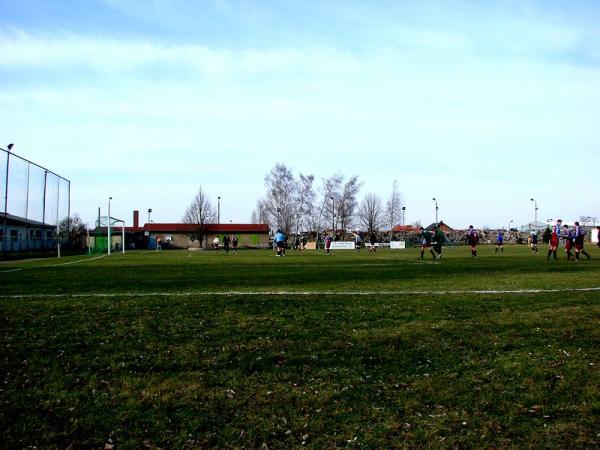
pixel 109 223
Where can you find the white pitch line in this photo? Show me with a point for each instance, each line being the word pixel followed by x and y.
pixel 53 265
pixel 298 293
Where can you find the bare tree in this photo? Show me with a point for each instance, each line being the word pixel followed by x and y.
pixel 339 200
pixel 371 214
pixel 347 202
pixel 259 215
pixel 199 213
pixel 279 201
pixel 73 231
pixel 331 192
pixel 305 201
pixel 394 207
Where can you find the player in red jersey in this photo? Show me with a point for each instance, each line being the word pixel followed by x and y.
pixel 473 240
pixel 579 238
pixel 568 237
pixel 554 239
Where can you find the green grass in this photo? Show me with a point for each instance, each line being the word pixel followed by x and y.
pixel 430 370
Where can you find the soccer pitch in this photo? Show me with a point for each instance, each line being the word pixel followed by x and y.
pixel 355 350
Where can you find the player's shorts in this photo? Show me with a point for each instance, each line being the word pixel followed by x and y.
pixel 426 245
pixel 280 244
pixel 569 245
pixel 578 245
pixel 553 242
pixel 499 242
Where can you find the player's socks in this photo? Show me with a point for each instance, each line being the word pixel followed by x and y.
pixel 496 250
pixel 549 253
pixel 422 253
pixel 554 254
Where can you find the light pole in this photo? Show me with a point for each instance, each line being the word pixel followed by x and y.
pixel 436 210
pixel 9 147
pixel 403 215
pixel 109 240
pixel 332 217
pixel 535 210
pixel 511 221
pixel 149 212
pixel 218 210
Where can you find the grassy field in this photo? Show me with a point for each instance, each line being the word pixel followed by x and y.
pixel 355 350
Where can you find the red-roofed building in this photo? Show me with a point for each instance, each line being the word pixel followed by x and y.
pixel 405 229
pixel 178 235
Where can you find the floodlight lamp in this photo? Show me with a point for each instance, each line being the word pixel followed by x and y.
pixel 10 146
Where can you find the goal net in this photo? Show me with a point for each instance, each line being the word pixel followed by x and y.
pixel 108 235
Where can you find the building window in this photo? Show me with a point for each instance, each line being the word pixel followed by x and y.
pixel 14 235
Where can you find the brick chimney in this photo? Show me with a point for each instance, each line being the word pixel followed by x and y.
pixel 136 218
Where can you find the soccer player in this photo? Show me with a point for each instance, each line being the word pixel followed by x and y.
pixel 579 238
pixel 234 242
pixel 280 239
pixel 426 242
pixel 473 240
pixel 568 237
pixel 554 238
pixel 226 240
pixel 534 241
pixel 598 236
pixel 499 242
pixel 373 240
pixel 328 245
pixel 438 240
pixel 357 241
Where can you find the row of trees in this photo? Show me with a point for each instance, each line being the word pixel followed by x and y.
pixel 297 204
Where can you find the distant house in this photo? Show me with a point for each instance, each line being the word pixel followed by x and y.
pixel 445 228
pixel 177 235
pixel 405 229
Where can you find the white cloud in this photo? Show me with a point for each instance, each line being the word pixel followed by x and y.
pixel 166 117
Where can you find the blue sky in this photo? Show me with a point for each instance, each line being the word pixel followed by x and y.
pixel 482 107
